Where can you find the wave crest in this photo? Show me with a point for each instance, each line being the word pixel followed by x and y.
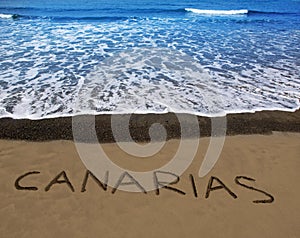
pixel 6 16
pixel 217 12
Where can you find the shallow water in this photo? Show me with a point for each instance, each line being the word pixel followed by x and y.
pixel 65 58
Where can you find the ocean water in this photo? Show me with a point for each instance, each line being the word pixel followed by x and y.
pixel 62 58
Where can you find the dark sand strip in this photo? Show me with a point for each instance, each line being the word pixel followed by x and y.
pixel 61 128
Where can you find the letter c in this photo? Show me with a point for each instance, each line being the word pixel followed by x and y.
pixel 17 182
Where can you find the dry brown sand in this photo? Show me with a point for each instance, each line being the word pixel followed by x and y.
pixel 272 160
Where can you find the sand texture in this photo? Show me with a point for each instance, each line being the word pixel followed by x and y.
pixel 208 210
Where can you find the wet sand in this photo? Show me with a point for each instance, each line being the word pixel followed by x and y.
pixel 61 128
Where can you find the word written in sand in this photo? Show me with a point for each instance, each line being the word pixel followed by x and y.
pixel 214 184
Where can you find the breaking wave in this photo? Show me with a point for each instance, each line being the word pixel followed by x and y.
pixel 217 12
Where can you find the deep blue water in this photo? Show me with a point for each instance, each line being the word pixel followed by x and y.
pixel 61 58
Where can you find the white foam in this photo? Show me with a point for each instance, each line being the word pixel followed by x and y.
pixel 158 80
pixel 6 16
pixel 217 12
pixel 146 80
pixel 59 66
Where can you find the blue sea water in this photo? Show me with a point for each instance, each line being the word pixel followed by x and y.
pixel 61 58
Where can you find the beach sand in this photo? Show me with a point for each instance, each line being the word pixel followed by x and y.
pixel 273 161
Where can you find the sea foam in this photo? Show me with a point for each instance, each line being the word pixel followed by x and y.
pixel 217 12
pixel 6 16
pixel 137 66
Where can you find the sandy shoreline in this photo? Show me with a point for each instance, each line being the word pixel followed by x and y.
pixel 61 128
pixel 251 191
pixel 271 160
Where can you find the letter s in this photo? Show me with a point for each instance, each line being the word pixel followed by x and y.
pixel 271 198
